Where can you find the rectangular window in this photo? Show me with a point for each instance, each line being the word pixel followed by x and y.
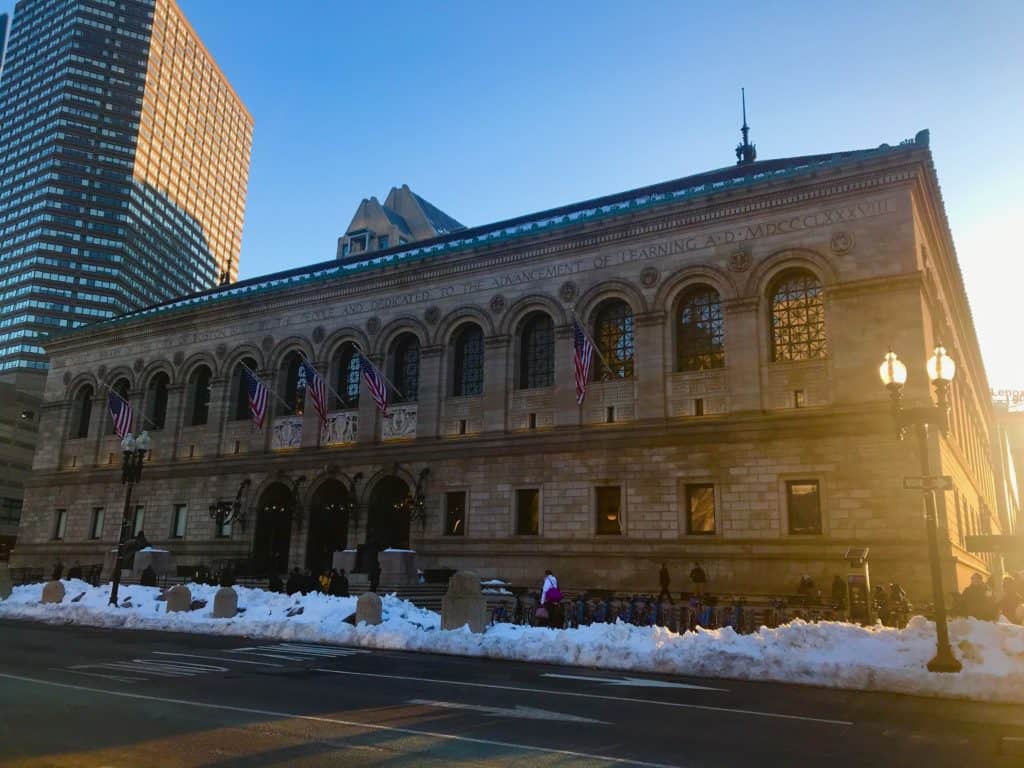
pixel 138 519
pixel 222 529
pixel 179 520
pixel 700 509
pixel 803 502
pixel 455 513
pixel 528 511
pixel 96 523
pixel 60 524
pixel 608 507
pixel 698 407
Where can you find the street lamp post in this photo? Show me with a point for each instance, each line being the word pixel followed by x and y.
pixel 941 370
pixel 134 451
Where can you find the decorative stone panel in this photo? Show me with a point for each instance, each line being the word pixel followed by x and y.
pixel 341 428
pixel 399 422
pixel 286 433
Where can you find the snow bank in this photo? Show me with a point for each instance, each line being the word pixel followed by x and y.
pixel 828 654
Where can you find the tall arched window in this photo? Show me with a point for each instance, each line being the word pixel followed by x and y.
pixel 199 396
pixel 156 402
pixel 699 336
pixel 81 413
pixel 240 403
pixel 537 352
pixel 613 335
pixel 346 377
pixel 121 388
pixel 798 317
pixel 468 375
pixel 405 356
pixel 292 386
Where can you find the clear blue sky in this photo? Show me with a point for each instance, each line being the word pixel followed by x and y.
pixel 490 112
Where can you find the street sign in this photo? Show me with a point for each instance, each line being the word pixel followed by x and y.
pixel 995 543
pixel 928 483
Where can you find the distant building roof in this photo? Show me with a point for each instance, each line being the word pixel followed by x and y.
pixel 622 203
pixel 403 218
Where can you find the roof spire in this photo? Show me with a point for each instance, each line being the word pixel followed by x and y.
pixel 745 152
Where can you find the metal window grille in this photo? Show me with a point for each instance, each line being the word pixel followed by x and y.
pixel 349 376
pixel 407 367
pixel 613 335
pixel 700 341
pixel 798 318
pixel 469 362
pixel 537 353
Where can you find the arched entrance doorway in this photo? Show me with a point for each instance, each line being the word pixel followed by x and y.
pixel 328 525
pixel 273 530
pixel 388 521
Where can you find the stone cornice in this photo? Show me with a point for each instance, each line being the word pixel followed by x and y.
pixel 886 284
pixel 878 173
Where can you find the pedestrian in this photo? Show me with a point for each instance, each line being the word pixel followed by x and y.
pixel 550 600
pixel 324 586
pixel 274 583
pixel 148 577
pixel 806 587
pixel 371 557
pixel 881 601
pixel 664 578
pixel 977 600
pixel 339 583
pixel 699 579
pixel 309 582
pixel 75 571
pixel 1009 603
pixel 294 582
pixel 838 592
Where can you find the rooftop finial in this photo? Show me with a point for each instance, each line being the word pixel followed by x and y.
pixel 745 152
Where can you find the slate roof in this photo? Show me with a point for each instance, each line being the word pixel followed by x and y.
pixel 438 219
pixel 622 203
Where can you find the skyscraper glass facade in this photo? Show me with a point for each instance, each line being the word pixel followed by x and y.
pixel 124 158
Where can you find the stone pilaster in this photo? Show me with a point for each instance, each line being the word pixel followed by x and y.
pixel 369 414
pixel 174 419
pixel 567 413
pixel 742 354
pixel 216 418
pixel 650 365
pixel 497 383
pixel 310 417
pixel 428 410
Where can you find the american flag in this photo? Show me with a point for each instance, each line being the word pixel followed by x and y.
pixel 378 386
pixel 258 397
pixel 582 357
pixel 121 413
pixel 317 388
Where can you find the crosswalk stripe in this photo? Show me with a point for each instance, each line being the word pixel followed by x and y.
pixel 218 658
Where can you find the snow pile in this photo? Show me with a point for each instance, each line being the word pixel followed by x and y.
pixel 829 654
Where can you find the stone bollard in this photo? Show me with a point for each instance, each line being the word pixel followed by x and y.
pixel 179 598
pixel 5 581
pixel 464 603
pixel 225 603
pixel 53 591
pixel 368 608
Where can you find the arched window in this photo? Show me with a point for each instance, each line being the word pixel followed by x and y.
pixel 199 396
pixel 537 352
pixel 699 337
pixel 292 386
pixel 347 375
pixel 240 404
pixel 405 356
pixel 468 378
pixel 81 413
pixel 798 317
pixel 613 335
pixel 121 388
pixel 156 402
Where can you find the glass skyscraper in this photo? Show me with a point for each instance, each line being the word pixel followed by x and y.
pixel 124 161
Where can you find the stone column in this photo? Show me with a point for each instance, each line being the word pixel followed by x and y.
pixel 650 366
pixel 497 383
pixel 428 410
pixel 217 417
pixel 567 413
pixel 369 414
pixel 742 354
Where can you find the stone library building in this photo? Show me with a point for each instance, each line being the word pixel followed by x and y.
pixel 734 414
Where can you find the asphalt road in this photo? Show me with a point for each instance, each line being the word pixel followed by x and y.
pixel 73 696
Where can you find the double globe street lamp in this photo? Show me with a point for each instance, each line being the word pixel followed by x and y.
pixel 134 450
pixel 941 370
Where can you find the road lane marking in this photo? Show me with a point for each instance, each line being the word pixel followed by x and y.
pixel 518 711
pixel 118 678
pixel 637 682
pixel 348 723
pixel 218 658
pixel 606 697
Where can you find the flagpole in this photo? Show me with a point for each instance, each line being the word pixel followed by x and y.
pixel 327 382
pixel 597 349
pixel 279 399
pixel 382 374
pixel 142 416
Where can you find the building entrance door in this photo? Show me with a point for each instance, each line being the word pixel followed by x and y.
pixel 273 530
pixel 388 521
pixel 328 525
